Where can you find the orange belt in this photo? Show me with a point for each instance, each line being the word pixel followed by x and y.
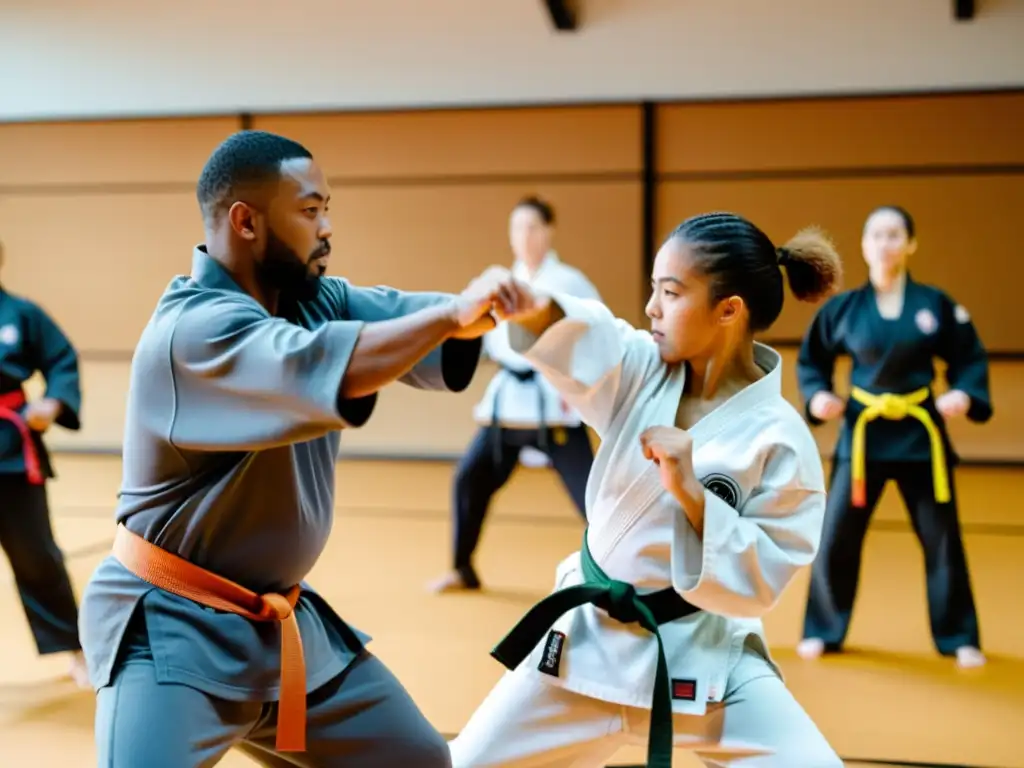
pixel 10 402
pixel 173 574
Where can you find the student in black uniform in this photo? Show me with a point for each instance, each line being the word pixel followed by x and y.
pixel 893 429
pixel 30 341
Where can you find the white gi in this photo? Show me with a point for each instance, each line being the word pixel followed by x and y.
pixel 517 401
pixel 764 505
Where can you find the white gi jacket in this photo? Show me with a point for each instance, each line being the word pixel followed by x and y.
pixel 764 507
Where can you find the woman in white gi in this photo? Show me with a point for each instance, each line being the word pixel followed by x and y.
pixel 705 499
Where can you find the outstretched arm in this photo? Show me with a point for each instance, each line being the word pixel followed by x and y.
pixel 448 364
pixel 595 360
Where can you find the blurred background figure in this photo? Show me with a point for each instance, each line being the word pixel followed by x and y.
pixel 30 343
pixel 893 429
pixel 520 409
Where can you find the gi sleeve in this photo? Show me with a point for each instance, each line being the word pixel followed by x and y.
pixel 747 557
pixel 816 361
pixel 449 367
pixel 966 359
pixel 596 361
pixel 246 381
pixel 52 354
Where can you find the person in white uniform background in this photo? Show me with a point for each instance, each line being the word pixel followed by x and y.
pixel 520 409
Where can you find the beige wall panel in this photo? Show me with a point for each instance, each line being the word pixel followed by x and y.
pixel 842 133
pixel 469 142
pixel 966 228
pixel 99 262
pixel 118 152
pixel 440 237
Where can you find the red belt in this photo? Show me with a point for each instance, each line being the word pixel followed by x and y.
pixel 9 405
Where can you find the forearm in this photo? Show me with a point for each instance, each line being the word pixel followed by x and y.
pixel 538 323
pixel 389 349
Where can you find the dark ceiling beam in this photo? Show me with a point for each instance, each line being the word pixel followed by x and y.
pixel 563 14
pixel 963 10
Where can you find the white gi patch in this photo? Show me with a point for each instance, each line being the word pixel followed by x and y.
pixel 9 335
pixel 961 314
pixel 926 321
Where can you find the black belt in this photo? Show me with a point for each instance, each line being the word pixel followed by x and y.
pixel 526 376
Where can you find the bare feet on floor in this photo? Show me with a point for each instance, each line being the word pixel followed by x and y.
pixel 968 657
pixel 452 582
pixel 810 648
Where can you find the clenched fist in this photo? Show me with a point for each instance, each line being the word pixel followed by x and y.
pixel 40 414
pixel 494 295
pixel 953 404
pixel 825 406
pixel 671 449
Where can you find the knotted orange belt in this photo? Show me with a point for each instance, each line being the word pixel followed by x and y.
pixel 10 402
pixel 178 576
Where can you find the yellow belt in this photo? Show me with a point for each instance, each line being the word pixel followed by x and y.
pixel 896 407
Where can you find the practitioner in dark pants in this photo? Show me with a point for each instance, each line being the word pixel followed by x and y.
pixel 893 429
pixel 30 342
pixel 520 410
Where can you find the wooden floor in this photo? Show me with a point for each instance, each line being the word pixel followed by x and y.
pixel 890 699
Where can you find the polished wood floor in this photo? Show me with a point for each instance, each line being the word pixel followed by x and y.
pixel 890 699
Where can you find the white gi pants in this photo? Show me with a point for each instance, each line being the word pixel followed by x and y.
pixel 525 723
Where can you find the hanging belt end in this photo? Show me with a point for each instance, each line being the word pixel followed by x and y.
pixel 859 494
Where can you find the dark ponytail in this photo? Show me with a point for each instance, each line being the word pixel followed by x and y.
pixel 741 260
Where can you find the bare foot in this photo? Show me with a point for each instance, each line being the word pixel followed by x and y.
pixel 78 671
pixel 810 648
pixel 968 657
pixel 451 582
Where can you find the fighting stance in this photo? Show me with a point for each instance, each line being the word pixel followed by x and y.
pixel 706 497
pixel 31 341
pixel 893 429
pixel 520 409
pixel 199 631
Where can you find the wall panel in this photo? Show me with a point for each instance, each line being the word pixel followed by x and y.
pixel 492 142
pixel 925 132
pixel 966 228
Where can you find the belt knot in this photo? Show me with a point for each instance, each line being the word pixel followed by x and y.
pixel 893 406
pixel 622 600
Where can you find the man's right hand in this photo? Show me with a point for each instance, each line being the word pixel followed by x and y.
pixel 495 289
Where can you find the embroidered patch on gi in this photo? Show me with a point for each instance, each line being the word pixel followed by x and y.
pixel 684 690
pixel 724 487
pixel 9 335
pixel 961 314
pixel 551 659
pixel 926 321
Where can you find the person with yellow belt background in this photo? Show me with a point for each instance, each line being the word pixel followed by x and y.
pixel 893 428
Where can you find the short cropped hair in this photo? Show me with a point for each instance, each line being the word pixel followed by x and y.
pixel 244 159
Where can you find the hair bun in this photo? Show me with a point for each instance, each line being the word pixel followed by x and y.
pixel 784 255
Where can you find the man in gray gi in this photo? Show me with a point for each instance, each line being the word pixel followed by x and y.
pixel 241 382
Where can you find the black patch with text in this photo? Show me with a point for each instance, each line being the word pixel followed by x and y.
pixel 684 690
pixel 551 659
pixel 724 487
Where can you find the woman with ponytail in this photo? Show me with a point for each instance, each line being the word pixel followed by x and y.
pixel 705 499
